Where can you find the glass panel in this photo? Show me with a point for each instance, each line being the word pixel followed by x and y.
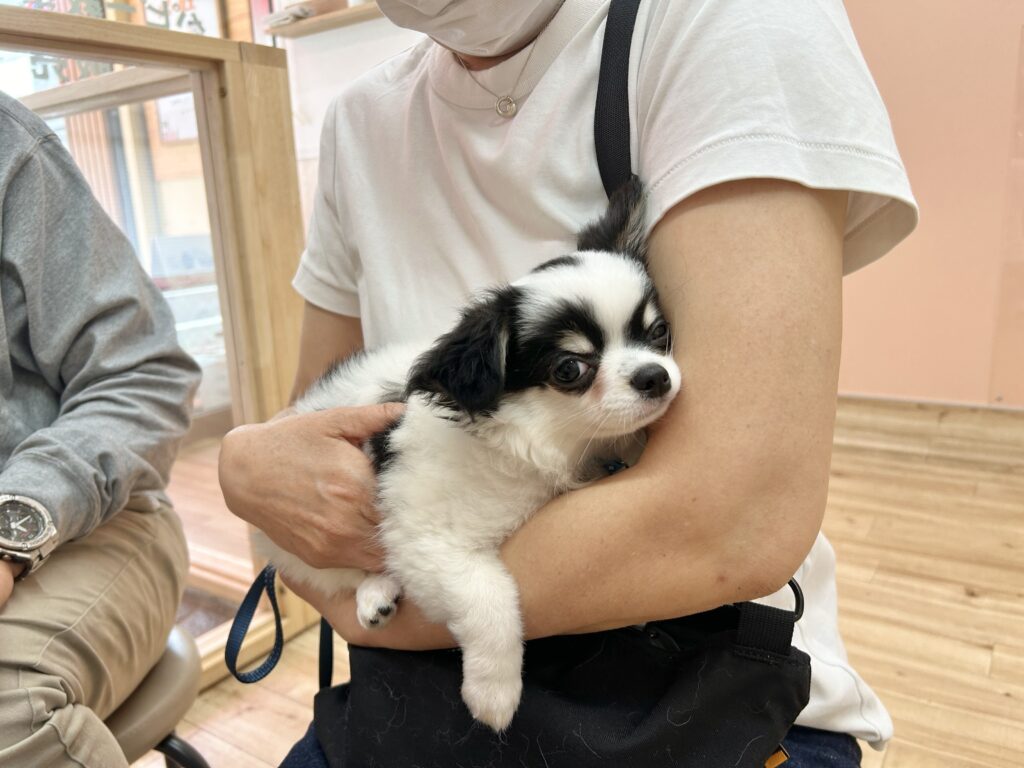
pixel 23 73
pixel 144 166
pixel 133 133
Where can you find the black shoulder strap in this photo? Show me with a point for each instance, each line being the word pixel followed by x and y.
pixel 611 117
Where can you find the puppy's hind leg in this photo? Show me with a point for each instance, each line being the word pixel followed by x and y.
pixel 481 601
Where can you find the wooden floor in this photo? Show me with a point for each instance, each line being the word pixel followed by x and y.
pixel 926 512
pixel 196 494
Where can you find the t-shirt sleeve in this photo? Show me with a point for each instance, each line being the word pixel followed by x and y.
pixel 733 89
pixel 328 274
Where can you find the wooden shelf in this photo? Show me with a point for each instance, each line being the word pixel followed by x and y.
pixel 325 21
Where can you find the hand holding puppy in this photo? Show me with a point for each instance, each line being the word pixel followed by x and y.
pixel 305 482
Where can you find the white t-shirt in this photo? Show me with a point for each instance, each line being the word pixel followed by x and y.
pixel 425 194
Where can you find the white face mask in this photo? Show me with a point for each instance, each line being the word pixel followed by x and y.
pixel 474 27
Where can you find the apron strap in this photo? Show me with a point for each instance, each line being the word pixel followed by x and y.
pixel 611 116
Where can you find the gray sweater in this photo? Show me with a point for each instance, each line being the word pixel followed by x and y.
pixel 94 390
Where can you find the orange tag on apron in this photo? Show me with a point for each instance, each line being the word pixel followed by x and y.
pixel 777 759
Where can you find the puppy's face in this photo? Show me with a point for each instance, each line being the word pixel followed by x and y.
pixel 578 347
pixel 588 351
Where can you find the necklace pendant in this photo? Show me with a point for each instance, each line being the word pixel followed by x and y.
pixel 506 106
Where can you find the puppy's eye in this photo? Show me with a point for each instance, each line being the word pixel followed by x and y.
pixel 570 370
pixel 658 332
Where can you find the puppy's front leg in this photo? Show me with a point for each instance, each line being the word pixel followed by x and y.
pixel 377 600
pixel 481 601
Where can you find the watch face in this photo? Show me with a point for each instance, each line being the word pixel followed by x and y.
pixel 21 524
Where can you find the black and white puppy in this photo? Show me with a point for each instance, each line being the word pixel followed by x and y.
pixel 539 385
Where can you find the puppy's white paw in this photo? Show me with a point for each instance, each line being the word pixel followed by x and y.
pixel 377 600
pixel 493 699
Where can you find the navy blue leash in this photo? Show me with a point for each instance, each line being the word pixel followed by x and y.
pixel 240 626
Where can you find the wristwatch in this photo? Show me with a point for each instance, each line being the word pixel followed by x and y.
pixel 27 534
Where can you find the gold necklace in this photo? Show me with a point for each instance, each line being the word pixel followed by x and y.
pixel 505 106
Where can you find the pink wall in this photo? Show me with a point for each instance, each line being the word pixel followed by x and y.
pixel 942 317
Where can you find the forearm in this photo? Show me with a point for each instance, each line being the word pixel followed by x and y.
pixel 114 440
pixel 593 560
pixel 635 548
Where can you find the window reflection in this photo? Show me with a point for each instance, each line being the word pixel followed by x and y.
pixel 143 164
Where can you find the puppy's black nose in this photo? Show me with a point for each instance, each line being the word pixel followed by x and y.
pixel 651 380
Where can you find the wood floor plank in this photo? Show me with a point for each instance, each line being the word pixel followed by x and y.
pixel 851 570
pixel 980 576
pixel 1003 600
pixel 871 758
pixel 916 506
pixel 863 630
pixel 217 752
pixel 916 479
pixel 906 754
pixel 991 741
pixel 253 719
pixel 220 753
pixel 967 541
pixel 895 606
pixel 1008 661
pixel 894 669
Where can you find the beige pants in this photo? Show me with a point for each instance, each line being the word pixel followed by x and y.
pixel 78 635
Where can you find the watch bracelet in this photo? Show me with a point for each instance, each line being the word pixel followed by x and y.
pixel 27 561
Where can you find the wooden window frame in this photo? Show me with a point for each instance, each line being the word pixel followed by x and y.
pixel 243 109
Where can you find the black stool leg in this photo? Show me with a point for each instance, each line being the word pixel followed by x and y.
pixel 178 753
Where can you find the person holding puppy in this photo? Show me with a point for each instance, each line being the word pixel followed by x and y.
pixel 95 394
pixel 469 159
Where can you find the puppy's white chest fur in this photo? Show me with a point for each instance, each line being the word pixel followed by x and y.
pixel 461 481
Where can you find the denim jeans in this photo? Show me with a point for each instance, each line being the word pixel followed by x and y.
pixel 306 753
pixel 807 747
pixel 811 748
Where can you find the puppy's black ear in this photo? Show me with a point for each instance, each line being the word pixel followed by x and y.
pixel 623 228
pixel 465 369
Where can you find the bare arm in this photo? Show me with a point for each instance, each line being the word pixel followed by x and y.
pixel 326 338
pixel 730 493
